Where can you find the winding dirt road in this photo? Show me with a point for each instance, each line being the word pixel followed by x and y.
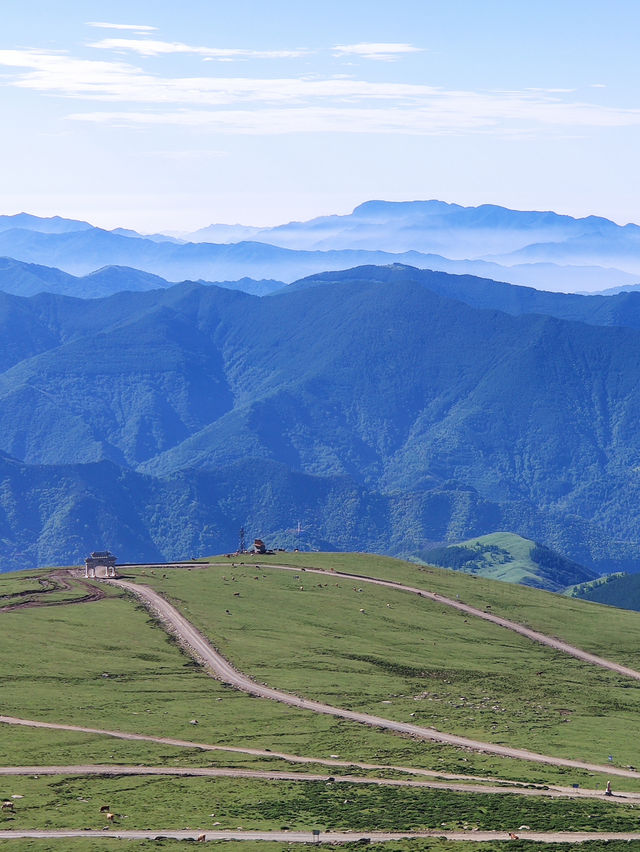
pixel 222 669
pixel 56 582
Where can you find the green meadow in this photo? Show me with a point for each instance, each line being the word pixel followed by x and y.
pixel 396 655
pixel 610 632
pixel 108 664
pixel 199 803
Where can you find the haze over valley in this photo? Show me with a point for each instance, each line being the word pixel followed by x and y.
pixel 383 407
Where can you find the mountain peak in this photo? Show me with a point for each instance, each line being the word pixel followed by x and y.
pixel 403 208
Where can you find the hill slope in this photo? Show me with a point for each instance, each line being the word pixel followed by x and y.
pixel 447 659
pixel 622 309
pixel 511 558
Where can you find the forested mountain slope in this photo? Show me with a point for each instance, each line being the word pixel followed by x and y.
pixel 410 416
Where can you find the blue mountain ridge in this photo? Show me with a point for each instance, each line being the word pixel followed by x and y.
pixel 380 412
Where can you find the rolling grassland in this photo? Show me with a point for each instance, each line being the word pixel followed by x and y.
pixel 102 662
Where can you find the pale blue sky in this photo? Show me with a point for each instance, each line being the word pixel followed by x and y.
pixel 158 115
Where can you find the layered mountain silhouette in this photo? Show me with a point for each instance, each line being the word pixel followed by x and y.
pixel 543 250
pixel 50 225
pixel 384 409
pixel 428 226
pixel 28 279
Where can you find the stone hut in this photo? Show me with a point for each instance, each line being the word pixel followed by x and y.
pixel 101 565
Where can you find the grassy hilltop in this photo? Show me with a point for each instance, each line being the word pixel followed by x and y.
pixel 108 664
pixel 512 558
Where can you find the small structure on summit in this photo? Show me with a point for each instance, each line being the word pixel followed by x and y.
pixel 101 565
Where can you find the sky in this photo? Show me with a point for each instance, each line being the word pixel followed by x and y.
pixel 166 116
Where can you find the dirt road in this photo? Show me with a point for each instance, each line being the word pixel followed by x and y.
pixel 271 775
pixel 534 635
pixel 327 837
pixel 290 758
pixel 222 669
pixel 55 582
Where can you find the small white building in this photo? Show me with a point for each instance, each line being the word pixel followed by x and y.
pixel 101 565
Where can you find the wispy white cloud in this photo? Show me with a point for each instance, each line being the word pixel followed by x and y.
pixel 138 28
pixel 152 47
pixel 384 51
pixel 255 105
pixel 59 73
pixel 450 114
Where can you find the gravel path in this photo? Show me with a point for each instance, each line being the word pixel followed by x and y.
pixel 270 775
pixel 328 837
pixel 290 758
pixel 222 669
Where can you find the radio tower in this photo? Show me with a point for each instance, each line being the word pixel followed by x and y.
pixel 242 547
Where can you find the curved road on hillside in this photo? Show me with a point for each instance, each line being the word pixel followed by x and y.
pixel 534 635
pixel 222 669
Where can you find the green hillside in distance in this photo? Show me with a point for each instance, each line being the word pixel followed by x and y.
pixel 513 559
pixel 620 590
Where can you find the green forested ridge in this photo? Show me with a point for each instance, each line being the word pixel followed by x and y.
pixel 622 590
pixel 378 413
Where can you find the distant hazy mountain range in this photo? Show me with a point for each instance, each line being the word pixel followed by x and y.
pixel 543 250
pixel 429 226
pixel 382 408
